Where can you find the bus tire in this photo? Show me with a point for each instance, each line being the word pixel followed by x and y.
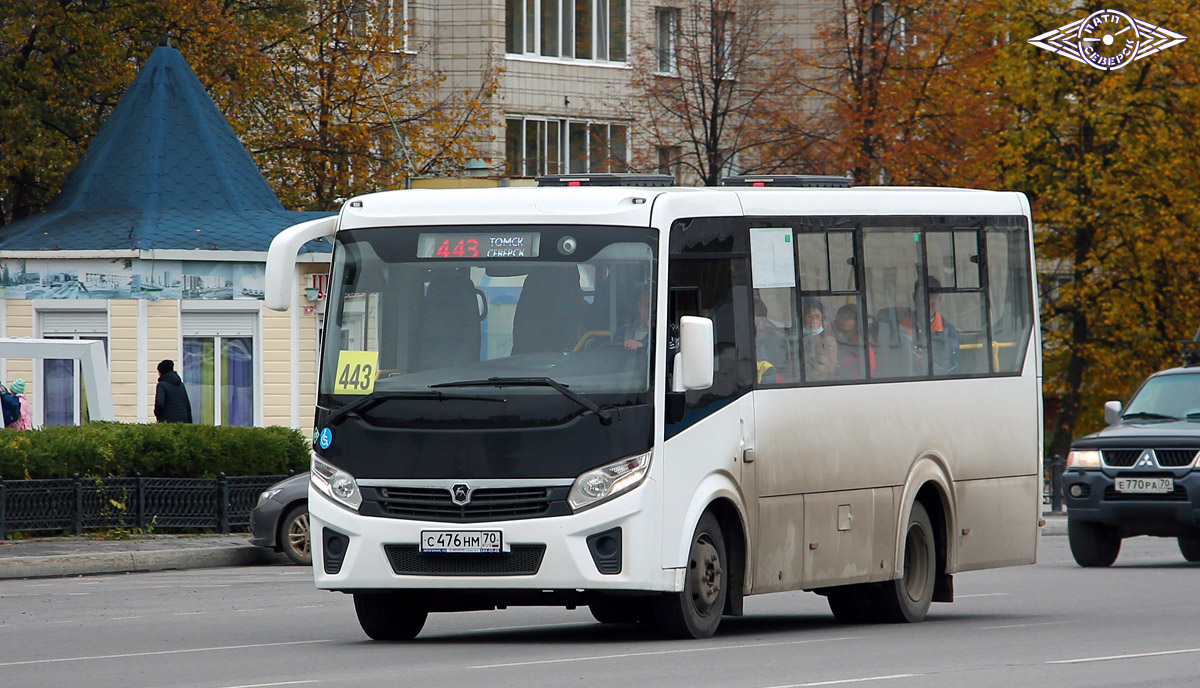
pixel 1190 547
pixel 1094 545
pixel 696 611
pixel 389 615
pixel 622 610
pixel 907 599
pixel 852 604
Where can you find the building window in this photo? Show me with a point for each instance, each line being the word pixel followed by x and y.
pixel 535 146
pixel 667 21
pixel 581 29
pixel 63 395
pixel 384 17
pixel 219 366
pixel 669 161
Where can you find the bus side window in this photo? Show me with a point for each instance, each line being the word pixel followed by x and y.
pixel 706 288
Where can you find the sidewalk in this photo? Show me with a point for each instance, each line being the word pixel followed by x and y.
pixel 76 556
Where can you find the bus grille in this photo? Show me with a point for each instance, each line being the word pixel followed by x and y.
pixel 487 504
pixel 523 560
pixel 1179 494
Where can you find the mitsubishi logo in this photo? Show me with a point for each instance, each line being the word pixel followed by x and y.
pixel 460 494
pixel 1147 460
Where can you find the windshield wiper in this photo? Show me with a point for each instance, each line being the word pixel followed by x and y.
pixel 1148 415
pixel 374 399
pixel 604 414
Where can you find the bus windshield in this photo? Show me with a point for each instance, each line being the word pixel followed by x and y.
pixel 412 309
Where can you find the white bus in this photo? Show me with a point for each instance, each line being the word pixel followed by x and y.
pixel 657 401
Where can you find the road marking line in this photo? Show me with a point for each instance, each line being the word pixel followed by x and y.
pixel 656 654
pixel 264 685
pixel 1043 623
pixel 124 618
pixel 848 680
pixel 161 652
pixel 1136 656
pixel 982 594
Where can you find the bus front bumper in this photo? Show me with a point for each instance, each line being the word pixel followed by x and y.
pixel 545 554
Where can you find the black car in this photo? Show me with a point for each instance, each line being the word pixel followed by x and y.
pixel 280 521
pixel 1138 476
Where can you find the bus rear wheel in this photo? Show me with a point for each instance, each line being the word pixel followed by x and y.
pixel 696 611
pixel 389 615
pixel 907 599
pixel 1094 545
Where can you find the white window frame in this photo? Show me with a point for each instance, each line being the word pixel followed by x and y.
pixel 671 40
pixel 530 27
pixel 188 329
pixel 89 331
pixel 376 11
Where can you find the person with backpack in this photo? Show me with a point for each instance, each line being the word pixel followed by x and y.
pixel 17 413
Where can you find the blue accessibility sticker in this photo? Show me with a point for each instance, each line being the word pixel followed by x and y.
pixel 326 438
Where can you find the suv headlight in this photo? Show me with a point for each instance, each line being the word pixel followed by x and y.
pixel 604 483
pixel 1083 459
pixel 336 483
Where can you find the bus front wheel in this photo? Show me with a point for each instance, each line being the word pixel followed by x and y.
pixel 389 615
pixel 906 599
pixel 696 611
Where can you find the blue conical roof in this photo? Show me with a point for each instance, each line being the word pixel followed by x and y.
pixel 165 171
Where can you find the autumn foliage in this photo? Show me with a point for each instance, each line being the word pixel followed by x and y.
pixel 319 91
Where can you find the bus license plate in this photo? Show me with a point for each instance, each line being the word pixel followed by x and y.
pixel 1145 485
pixel 460 541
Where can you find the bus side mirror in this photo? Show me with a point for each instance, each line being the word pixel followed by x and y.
pixel 695 359
pixel 281 259
pixel 1112 412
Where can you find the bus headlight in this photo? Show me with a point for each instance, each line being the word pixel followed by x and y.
pixel 1083 459
pixel 336 483
pixel 606 482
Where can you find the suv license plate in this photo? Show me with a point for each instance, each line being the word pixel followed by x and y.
pixel 1145 485
pixel 460 541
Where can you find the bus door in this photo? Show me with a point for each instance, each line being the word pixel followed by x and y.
pixel 716 428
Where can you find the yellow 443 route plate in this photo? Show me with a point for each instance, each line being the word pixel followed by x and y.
pixel 356 371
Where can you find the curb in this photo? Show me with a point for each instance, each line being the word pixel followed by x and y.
pixel 131 562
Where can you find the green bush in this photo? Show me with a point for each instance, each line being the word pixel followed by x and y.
pixel 166 450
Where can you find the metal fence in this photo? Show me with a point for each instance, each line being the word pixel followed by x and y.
pixel 78 504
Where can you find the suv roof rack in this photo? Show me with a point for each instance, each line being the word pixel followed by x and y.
pixel 606 179
pixel 794 180
pixel 1190 351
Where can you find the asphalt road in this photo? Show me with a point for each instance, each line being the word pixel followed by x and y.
pixel 1137 624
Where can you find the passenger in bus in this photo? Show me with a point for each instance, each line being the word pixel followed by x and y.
pixel 769 344
pixel 850 345
pixel 820 348
pixel 943 334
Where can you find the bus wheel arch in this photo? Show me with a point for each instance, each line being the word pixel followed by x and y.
pixel 930 484
pixel 733 527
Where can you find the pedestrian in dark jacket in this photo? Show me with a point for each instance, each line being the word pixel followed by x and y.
pixel 171 403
